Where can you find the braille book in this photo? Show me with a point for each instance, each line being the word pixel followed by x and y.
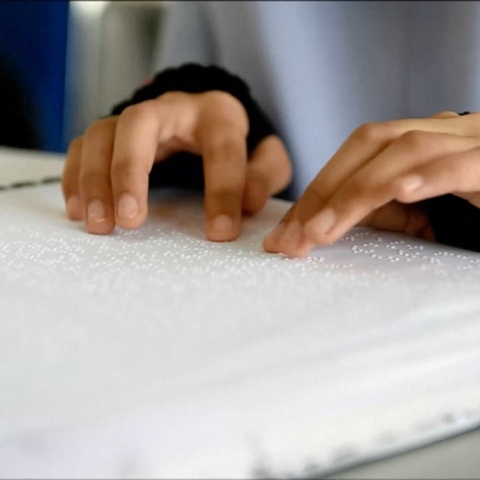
pixel 155 353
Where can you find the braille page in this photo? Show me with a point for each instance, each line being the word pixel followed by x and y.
pixel 155 353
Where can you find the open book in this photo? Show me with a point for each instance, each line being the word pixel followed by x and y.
pixel 155 353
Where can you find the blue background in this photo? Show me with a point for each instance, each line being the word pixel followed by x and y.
pixel 33 38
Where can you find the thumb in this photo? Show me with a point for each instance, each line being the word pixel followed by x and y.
pixel 269 171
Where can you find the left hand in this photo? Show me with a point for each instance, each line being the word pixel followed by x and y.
pixel 377 177
pixel 106 174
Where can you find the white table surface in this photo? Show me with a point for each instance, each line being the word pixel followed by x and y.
pixel 156 353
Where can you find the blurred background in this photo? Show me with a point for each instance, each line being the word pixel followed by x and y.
pixel 65 63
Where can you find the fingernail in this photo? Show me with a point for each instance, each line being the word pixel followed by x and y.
pixel 222 224
pixel 321 224
pixel 73 206
pixel 96 211
pixel 127 206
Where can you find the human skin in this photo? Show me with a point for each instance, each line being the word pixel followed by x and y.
pixel 376 178
pixel 105 179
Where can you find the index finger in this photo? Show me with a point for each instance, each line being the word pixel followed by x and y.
pixel 365 143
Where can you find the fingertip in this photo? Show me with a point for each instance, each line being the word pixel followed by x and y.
pixel 222 228
pixel 74 208
pixel 223 215
pixel 100 228
pixel 128 213
pixel 287 239
pixel 297 251
pixel 99 218
pixel 271 240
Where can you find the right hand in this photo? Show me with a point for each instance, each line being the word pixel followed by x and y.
pixel 379 178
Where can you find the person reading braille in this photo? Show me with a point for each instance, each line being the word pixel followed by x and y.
pixel 199 126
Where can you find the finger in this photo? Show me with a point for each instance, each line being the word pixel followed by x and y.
pixel 289 239
pixel 364 144
pixel 70 180
pixel 393 175
pixel 368 189
pixel 224 163
pixel 95 186
pixel 269 171
pixel 401 218
pixel 136 139
pixel 458 173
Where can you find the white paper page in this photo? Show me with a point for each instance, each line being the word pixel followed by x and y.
pixel 28 166
pixel 155 353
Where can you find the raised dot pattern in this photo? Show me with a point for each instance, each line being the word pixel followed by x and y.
pixel 147 315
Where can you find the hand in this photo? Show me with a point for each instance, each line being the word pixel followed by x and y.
pixel 377 177
pixel 105 179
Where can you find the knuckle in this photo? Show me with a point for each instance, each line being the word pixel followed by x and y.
pixel 98 129
pixel 138 111
pixel 227 108
pixel 172 97
pixel 221 99
pixel 372 132
pixel 416 140
pixel 400 191
pixel 74 146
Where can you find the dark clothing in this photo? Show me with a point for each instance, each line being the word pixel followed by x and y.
pixel 185 170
